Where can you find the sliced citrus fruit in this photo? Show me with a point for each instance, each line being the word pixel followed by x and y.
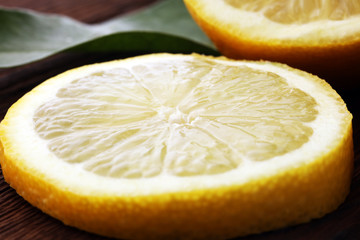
pixel 322 37
pixel 180 146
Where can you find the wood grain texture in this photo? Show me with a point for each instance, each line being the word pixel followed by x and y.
pixel 88 11
pixel 19 220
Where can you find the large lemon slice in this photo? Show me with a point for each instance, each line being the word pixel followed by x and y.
pixel 180 146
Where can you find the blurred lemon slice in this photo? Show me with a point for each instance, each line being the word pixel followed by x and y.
pixel 320 36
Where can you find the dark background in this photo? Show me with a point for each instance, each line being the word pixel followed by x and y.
pixel 19 220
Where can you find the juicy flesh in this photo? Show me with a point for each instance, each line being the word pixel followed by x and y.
pixel 300 11
pixel 179 118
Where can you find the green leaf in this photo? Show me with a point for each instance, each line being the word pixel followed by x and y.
pixel 27 36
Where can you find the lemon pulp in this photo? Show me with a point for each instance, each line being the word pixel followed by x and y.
pixel 300 11
pixel 177 118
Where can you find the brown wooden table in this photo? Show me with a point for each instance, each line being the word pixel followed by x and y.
pixel 19 220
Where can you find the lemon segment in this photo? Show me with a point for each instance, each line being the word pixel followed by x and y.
pixel 177 118
pixel 180 146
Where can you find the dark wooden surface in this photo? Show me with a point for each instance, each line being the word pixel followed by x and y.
pixel 19 220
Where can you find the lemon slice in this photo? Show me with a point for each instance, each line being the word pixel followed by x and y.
pixel 320 36
pixel 180 146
